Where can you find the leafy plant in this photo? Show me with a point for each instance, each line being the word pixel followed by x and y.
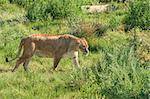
pixel 3 1
pixel 23 3
pixel 53 8
pixel 138 15
pixel 117 74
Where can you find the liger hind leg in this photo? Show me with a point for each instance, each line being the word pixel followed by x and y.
pixel 27 53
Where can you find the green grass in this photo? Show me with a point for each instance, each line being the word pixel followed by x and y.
pixel 39 81
pixel 112 70
pixel 8 11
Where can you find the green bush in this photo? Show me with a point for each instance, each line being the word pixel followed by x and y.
pixel 82 28
pixel 118 74
pixel 3 1
pixel 56 9
pixel 88 29
pixel 59 8
pixel 138 15
pixel 23 3
pixel 37 10
pixel 126 78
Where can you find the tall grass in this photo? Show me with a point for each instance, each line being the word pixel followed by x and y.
pixel 4 1
pixel 55 8
pixel 118 74
pixel 138 15
pixel 106 1
pixel 23 3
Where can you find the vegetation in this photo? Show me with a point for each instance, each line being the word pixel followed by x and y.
pixel 119 59
pixel 138 15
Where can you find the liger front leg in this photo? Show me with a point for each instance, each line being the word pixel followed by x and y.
pixel 75 60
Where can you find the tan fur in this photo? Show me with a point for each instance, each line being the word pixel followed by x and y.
pixel 56 47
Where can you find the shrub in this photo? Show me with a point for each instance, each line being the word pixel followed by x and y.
pixel 3 1
pixel 118 74
pixel 138 15
pixel 59 8
pixel 23 3
pixel 91 28
pixel 82 28
pixel 55 8
pixel 37 10
pixel 126 77
pixel 100 29
pixel 85 29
